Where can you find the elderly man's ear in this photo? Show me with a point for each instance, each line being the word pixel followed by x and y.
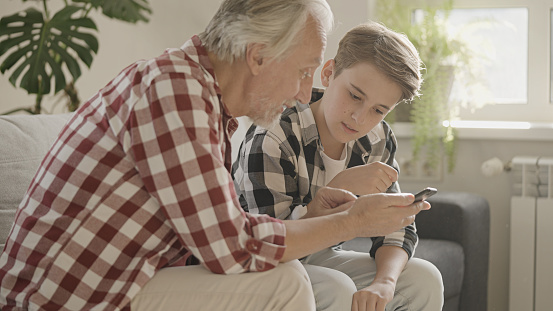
pixel 327 72
pixel 254 57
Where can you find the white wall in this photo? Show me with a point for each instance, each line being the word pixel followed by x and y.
pixel 173 22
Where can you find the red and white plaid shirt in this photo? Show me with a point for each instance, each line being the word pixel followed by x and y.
pixel 137 180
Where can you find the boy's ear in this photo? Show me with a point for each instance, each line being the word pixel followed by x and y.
pixel 327 72
pixel 254 57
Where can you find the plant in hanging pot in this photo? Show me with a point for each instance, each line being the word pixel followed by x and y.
pixel 446 59
pixel 43 51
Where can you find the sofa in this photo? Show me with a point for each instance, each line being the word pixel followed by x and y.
pixel 454 234
pixel 25 139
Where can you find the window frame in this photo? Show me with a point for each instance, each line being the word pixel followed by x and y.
pixel 539 106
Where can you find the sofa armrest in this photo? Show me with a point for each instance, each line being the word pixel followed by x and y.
pixel 463 218
pixel 25 141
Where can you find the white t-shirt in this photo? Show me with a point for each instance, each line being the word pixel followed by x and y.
pixel 333 167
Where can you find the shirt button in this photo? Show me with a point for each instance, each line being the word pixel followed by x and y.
pixel 252 246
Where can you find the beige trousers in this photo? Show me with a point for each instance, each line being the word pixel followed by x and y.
pixel 286 287
pixel 337 274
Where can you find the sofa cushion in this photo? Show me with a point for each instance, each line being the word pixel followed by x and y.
pixel 449 258
pixel 25 141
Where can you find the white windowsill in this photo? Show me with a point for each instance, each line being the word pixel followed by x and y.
pixel 536 132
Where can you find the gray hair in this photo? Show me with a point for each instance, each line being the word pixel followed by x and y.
pixel 275 23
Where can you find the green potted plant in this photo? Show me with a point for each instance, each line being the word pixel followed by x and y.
pixel 43 50
pixel 445 59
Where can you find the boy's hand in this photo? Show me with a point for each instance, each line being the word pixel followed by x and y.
pixel 373 298
pixel 329 201
pixel 370 178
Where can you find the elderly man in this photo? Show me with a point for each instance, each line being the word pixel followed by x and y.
pixel 137 187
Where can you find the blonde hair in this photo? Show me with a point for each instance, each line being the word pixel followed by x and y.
pixel 275 23
pixel 391 52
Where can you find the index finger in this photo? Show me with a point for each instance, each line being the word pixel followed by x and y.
pixel 390 199
pixel 389 170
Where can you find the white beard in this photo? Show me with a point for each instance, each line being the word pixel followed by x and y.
pixel 267 114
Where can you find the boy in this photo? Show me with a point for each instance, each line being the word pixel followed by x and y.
pixel 341 140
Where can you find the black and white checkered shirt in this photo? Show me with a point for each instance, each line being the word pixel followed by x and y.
pixel 280 169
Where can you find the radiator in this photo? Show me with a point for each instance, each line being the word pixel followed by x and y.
pixel 531 232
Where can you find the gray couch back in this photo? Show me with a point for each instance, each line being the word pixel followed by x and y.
pixel 25 139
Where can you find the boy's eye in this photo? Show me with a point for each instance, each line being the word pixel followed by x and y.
pixel 380 112
pixel 355 97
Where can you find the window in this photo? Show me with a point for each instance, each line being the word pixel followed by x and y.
pixel 499 38
pixel 514 41
pixel 551 58
pixel 520 37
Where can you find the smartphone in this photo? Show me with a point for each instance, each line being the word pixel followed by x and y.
pixel 425 194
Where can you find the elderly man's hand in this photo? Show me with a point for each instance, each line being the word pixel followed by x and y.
pixel 336 215
pixel 381 214
pixel 369 215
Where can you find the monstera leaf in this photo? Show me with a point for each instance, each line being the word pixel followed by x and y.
pixel 42 48
pixel 130 11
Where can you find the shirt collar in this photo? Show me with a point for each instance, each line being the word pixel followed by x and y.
pixel 309 131
pixel 194 49
pixel 197 52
